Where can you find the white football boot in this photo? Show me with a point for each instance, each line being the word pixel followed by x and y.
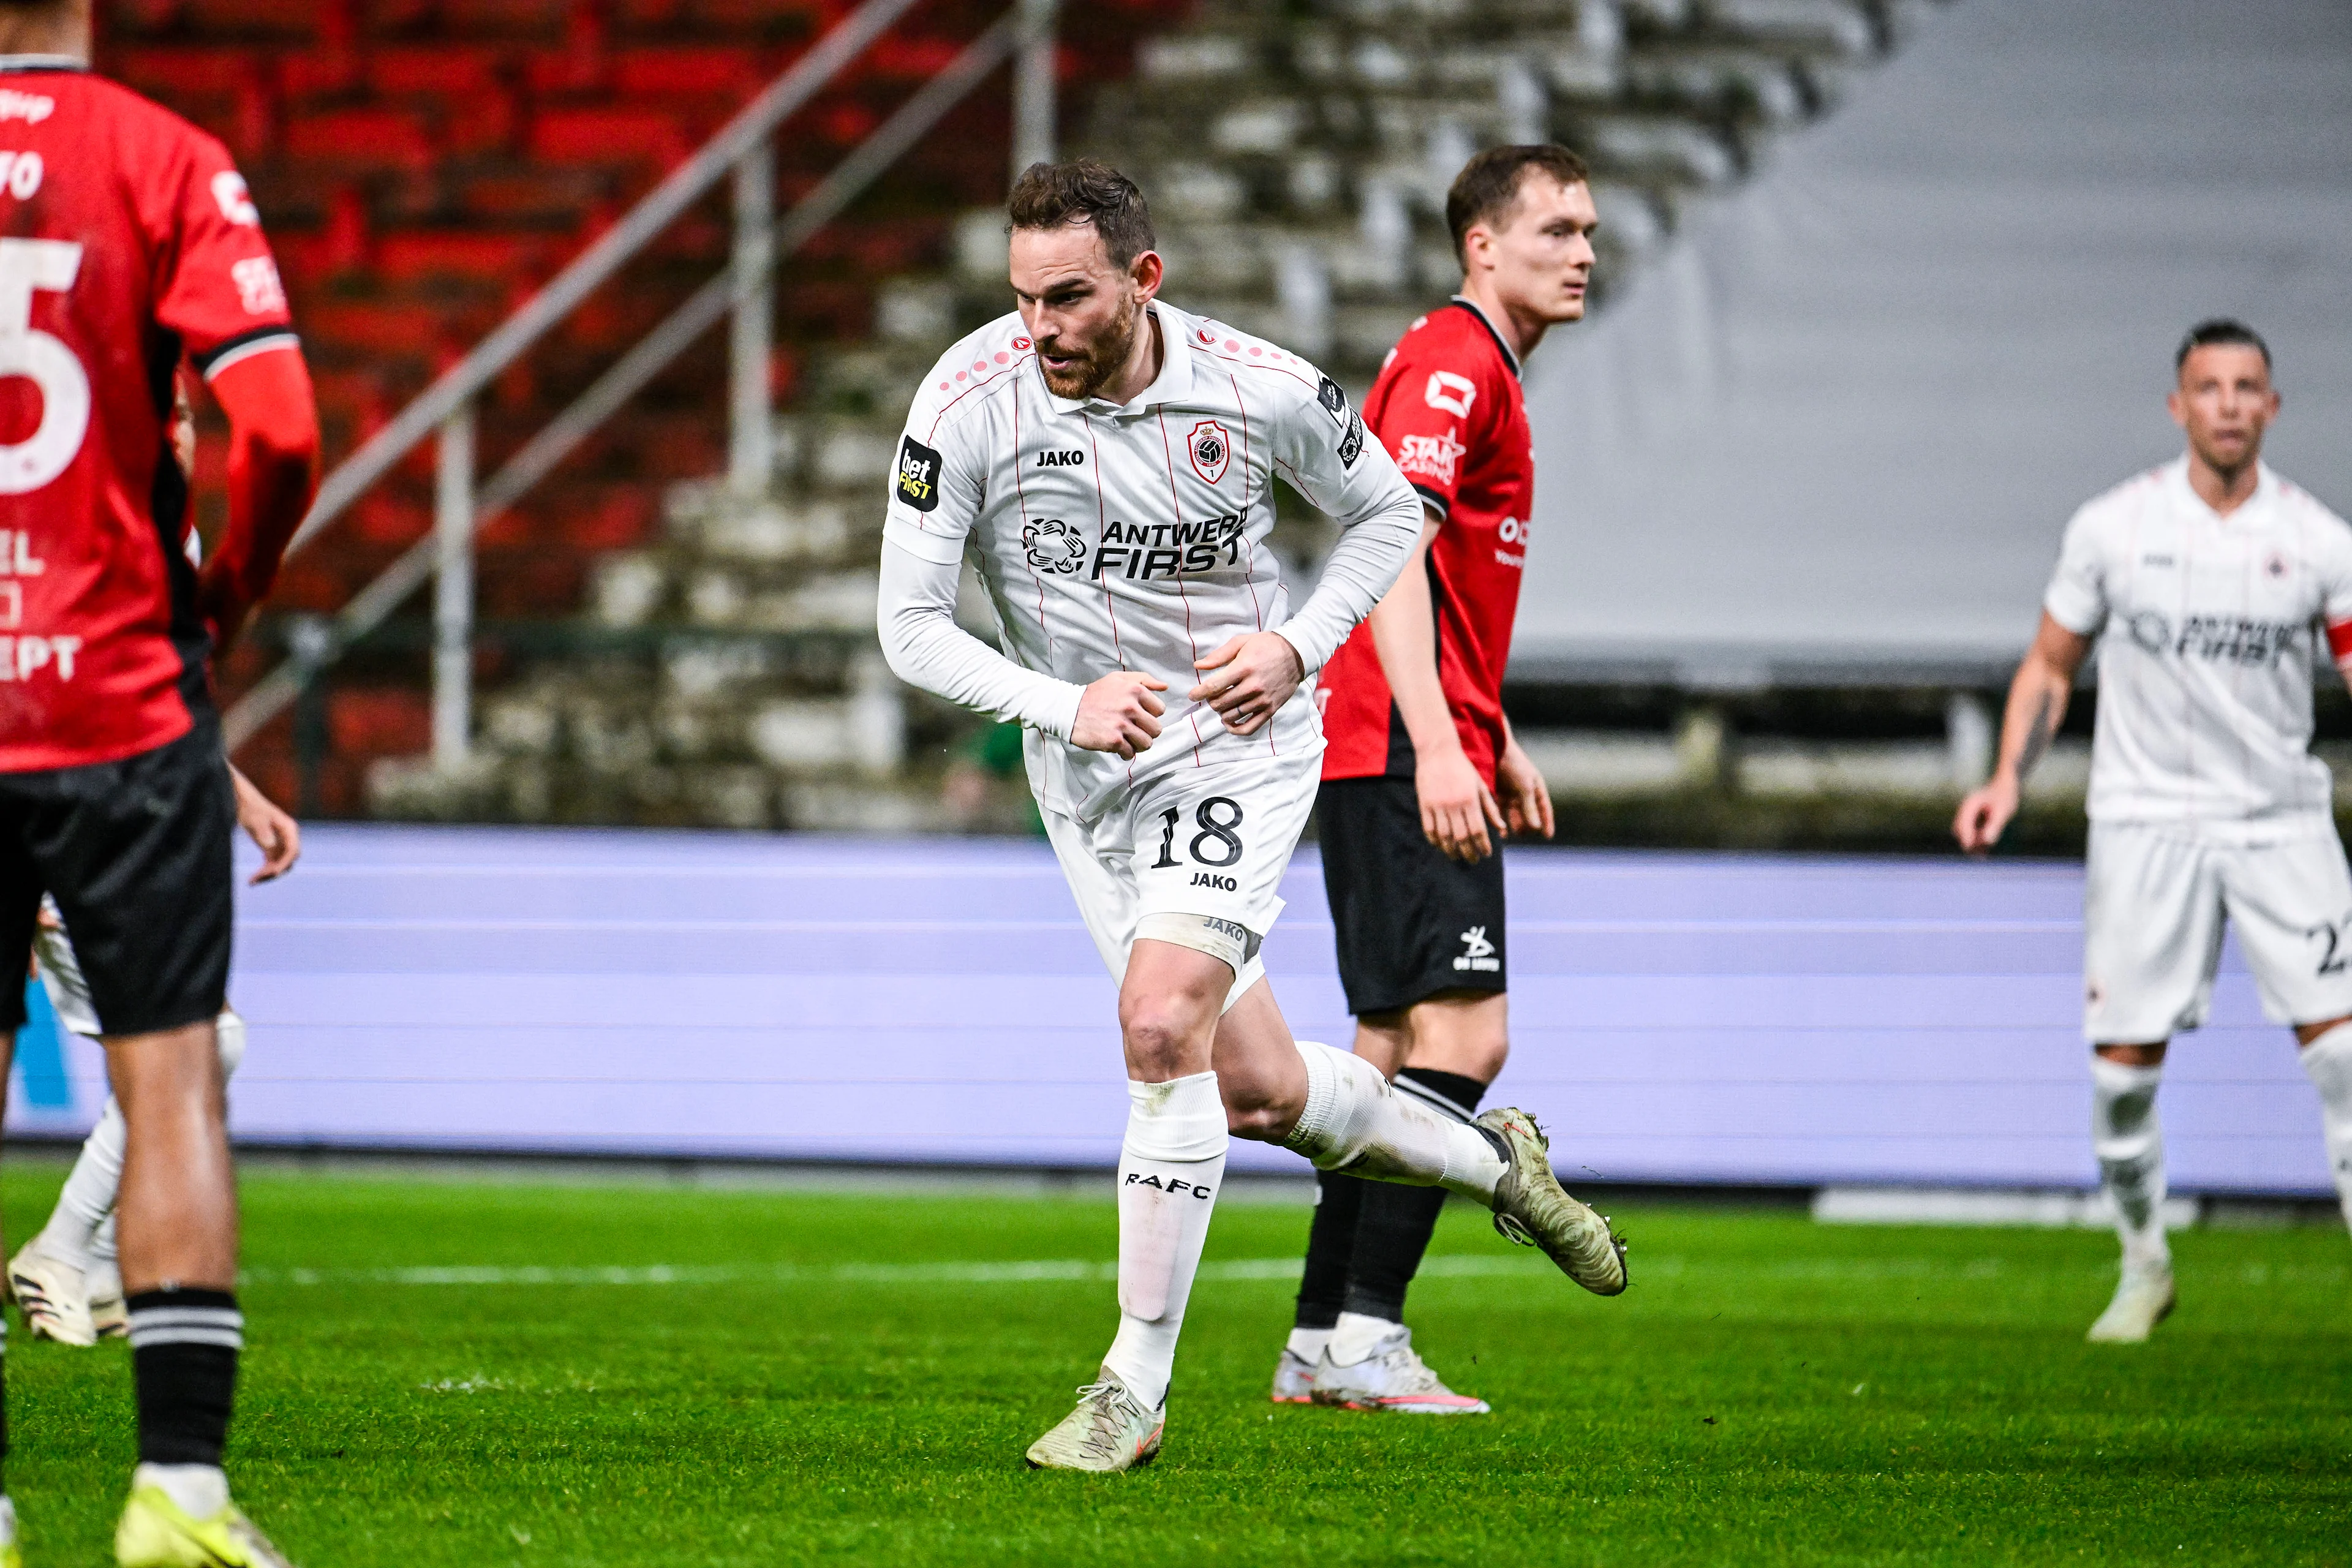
pixel 2143 1300
pixel 108 1315
pixel 1394 1377
pixel 1109 1430
pixel 1532 1209
pixel 53 1297
pixel 1294 1378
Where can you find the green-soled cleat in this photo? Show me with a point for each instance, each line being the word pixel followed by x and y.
pixel 1532 1209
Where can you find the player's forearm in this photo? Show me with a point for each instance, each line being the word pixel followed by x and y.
pixel 1363 566
pixel 273 474
pixel 1404 634
pixel 2037 706
pixel 925 648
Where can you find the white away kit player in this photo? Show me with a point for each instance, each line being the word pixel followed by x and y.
pixel 1109 460
pixel 67 1279
pixel 2206 583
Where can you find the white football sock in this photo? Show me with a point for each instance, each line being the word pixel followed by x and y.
pixel 1308 1345
pixel 87 1197
pixel 201 1491
pixel 103 1252
pixel 2128 1138
pixel 1170 1169
pixel 1355 1122
pixel 2329 1062
pixel 1357 1337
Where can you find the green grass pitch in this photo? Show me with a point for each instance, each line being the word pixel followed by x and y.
pixel 440 1374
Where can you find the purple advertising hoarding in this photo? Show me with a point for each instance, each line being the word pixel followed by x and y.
pixel 1721 1019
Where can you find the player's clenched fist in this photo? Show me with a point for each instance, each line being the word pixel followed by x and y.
pixel 1118 714
pixel 1249 679
pixel 1985 814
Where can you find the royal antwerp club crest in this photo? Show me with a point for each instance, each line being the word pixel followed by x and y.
pixel 1211 449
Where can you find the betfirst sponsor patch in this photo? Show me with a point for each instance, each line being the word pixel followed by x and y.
pixel 918 474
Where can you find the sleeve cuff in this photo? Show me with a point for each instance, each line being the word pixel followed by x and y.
pixel 939 548
pixel 2080 618
pixel 1443 505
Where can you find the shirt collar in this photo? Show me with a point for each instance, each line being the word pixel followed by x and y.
pixel 10 64
pixel 2265 488
pixel 1173 383
pixel 1510 358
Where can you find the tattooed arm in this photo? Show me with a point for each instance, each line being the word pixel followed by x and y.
pixel 2037 706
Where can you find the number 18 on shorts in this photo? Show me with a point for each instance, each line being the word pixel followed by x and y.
pixel 1208 842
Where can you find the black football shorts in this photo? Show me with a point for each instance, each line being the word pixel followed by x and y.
pixel 1411 922
pixel 136 853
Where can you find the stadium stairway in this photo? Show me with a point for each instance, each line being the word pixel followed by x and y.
pixel 722 668
pixel 424 165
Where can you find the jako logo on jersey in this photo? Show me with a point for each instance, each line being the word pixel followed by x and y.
pixel 918 474
pixel 1211 449
pixel 1168 550
pixel 32 107
pixel 1454 394
pixel 1351 445
pixel 1334 401
pixel 1477 953
pixel 1172 1186
pixel 1061 459
pixel 1431 456
pixel 235 201
pixel 1210 879
pixel 1053 546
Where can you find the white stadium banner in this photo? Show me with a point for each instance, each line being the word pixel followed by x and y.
pixel 1835 428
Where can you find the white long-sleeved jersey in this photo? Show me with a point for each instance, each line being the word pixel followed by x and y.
pixel 1129 536
pixel 2205 671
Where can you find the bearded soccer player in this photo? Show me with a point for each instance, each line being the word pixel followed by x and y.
pixel 1422 779
pixel 1111 458
pixel 128 242
pixel 2203 581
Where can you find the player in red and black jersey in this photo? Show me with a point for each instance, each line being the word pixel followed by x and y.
pixel 128 245
pixel 1422 779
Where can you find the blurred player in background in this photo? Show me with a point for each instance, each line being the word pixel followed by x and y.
pixel 1422 780
pixel 2207 578
pixel 67 1279
pixel 1112 458
pixel 127 243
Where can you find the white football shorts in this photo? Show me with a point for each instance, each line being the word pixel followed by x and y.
pixel 2153 902
pixel 1212 842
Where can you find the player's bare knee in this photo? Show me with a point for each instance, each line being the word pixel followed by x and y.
pixel 2133 1055
pixel 1166 1034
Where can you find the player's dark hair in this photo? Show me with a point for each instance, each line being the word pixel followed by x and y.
pixel 1084 190
pixel 2220 330
pixel 1488 184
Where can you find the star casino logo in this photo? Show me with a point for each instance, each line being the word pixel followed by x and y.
pixel 1053 546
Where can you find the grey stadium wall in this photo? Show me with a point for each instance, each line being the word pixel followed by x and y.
pixel 1834 432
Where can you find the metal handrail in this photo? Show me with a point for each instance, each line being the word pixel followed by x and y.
pixel 446 407
pixel 595 266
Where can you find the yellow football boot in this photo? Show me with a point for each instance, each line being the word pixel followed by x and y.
pixel 156 1533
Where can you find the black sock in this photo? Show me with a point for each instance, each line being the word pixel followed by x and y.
pixel 183 1351
pixel 1394 1228
pixel 1330 1242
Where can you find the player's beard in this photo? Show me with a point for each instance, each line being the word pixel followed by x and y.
pixel 1101 363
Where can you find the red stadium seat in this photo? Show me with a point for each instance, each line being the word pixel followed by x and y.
pixel 389 138
pixel 608 136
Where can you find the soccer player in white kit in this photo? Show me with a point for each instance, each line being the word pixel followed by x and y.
pixel 1110 459
pixel 2204 582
